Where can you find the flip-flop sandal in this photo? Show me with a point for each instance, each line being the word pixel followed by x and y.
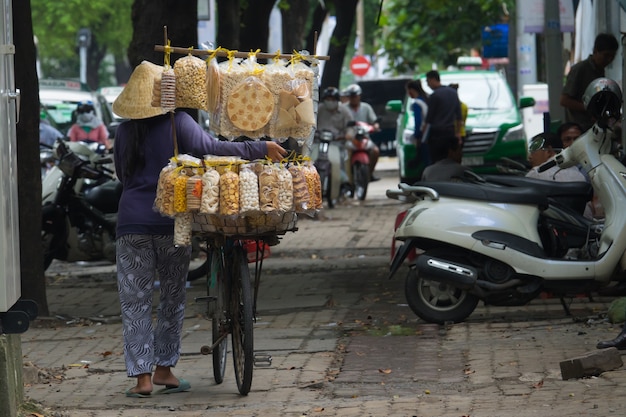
pixel 183 385
pixel 131 394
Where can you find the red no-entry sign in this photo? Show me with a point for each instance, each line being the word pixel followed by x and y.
pixel 359 65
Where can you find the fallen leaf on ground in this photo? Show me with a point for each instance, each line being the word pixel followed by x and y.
pixel 384 371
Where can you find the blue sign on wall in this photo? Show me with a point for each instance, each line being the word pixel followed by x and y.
pixel 496 41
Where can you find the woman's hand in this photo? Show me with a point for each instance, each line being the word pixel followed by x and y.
pixel 275 151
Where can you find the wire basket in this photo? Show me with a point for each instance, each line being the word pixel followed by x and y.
pixel 248 225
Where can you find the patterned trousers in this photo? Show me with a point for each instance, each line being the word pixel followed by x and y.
pixel 142 259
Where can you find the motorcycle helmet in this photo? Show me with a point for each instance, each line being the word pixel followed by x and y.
pixel 603 98
pixel 85 107
pixel 330 92
pixel 353 90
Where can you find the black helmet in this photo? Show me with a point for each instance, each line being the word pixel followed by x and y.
pixel 603 97
pixel 330 92
pixel 85 107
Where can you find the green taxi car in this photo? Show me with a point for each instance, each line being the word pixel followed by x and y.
pixel 494 123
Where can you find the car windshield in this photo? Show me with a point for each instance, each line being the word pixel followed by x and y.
pixel 479 91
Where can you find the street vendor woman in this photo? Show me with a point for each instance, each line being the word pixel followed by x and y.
pixel 145 250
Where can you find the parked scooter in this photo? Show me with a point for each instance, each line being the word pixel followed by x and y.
pixel 77 224
pixel 80 198
pixel 504 245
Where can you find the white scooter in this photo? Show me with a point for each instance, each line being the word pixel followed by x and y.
pixel 505 245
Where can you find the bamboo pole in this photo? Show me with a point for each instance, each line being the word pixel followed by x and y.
pixel 237 54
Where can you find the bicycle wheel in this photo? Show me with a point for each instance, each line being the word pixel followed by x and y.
pixel 216 287
pixel 241 320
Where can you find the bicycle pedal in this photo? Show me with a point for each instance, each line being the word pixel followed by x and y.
pixel 262 359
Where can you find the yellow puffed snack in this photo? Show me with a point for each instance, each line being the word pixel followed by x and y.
pixel 180 193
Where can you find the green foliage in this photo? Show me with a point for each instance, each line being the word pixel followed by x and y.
pixel 416 33
pixel 56 23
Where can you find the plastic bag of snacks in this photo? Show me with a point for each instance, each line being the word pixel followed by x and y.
pixel 249 107
pixel 164 90
pixel 268 188
pixel 285 189
pixel 164 201
pixel 182 229
pixel 293 86
pixel 210 202
pixel 314 185
pixel 194 192
pixel 191 83
pixel 229 193
pixel 301 197
pixel 213 86
pixel 248 189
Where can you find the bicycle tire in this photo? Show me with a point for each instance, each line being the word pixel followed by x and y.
pixel 241 320
pixel 216 286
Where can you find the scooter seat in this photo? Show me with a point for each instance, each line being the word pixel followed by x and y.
pixel 480 192
pixel 573 194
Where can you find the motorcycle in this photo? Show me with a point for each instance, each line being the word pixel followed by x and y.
pixel 504 244
pixel 327 156
pixel 78 224
pixel 360 159
pixel 80 196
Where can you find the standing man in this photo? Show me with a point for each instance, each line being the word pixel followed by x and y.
pixel 581 74
pixel 444 114
pixel 363 112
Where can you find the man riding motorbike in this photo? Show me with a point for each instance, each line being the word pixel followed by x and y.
pixel 335 118
pixel 363 112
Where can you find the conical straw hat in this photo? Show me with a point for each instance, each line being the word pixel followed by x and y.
pixel 135 101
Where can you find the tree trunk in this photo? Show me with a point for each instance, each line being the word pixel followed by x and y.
pixel 28 171
pixel 345 11
pixel 228 20
pixel 255 25
pixel 294 22
pixel 149 17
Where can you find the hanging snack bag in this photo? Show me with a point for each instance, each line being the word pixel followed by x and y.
pixel 213 86
pixel 293 86
pixel 268 189
pixel 229 193
pixel 314 185
pixel 164 201
pixel 248 189
pixel 301 198
pixel 230 74
pixel 194 192
pixel 180 192
pixel 285 189
pixel 167 88
pixel 182 229
pixel 191 80
pixel 210 192
pixel 248 108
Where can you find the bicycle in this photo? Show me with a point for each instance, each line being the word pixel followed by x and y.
pixel 231 305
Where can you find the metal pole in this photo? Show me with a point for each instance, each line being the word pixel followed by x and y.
pixel 360 27
pixel 554 58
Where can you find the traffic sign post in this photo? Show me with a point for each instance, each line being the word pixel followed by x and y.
pixel 360 65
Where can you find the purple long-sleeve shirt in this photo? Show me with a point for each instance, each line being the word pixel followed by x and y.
pixel 135 213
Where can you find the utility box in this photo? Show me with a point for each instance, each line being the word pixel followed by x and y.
pixel 9 216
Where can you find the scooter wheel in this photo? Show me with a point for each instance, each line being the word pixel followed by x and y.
pixel 436 302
